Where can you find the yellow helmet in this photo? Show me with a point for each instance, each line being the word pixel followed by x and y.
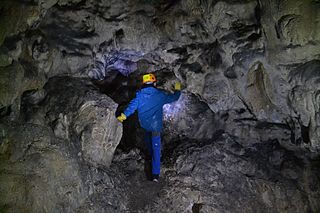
pixel 149 78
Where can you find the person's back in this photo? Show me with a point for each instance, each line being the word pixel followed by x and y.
pixel 149 102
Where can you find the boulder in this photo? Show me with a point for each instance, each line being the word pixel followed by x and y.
pixel 75 110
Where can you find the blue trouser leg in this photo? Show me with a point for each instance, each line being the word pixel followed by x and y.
pixel 156 152
pixel 147 139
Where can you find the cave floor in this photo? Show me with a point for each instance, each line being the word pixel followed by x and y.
pixel 144 193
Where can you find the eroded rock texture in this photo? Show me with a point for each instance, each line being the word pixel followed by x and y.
pixel 51 161
pixel 223 175
pixel 244 136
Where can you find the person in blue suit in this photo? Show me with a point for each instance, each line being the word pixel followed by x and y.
pixel 149 102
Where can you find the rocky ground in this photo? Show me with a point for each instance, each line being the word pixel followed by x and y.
pixel 243 137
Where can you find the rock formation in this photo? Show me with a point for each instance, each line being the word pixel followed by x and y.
pixel 243 137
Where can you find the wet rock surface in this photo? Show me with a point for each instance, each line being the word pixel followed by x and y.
pixel 244 136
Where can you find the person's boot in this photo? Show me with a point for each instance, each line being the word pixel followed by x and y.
pixel 155 178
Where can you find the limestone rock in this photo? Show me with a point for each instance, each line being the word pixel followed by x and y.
pixel 190 119
pixel 304 99
pixel 243 136
pixel 11 84
pixel 75 109
pixel 17 17
pixel 56 157
pixel 290 30
pixel 40 172
pixel 206 176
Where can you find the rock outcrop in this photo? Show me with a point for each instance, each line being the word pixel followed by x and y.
pixel 51 160
pixel 220 175
pixel 244 136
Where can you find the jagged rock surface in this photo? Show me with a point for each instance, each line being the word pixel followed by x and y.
pixel 43 173
pixel 223 175
pixel 76 111
pixel 250 73
pixel 51 161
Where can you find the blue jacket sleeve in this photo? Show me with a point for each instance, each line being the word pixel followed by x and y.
pixel 132 107
pixel 172 97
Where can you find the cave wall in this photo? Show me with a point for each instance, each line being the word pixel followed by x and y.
pixel 51 162
pixel 234 55
pixel 249 70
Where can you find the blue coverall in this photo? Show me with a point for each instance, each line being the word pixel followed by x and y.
pixel 149 102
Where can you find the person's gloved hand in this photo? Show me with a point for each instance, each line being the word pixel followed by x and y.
pixel 122 117
pixel 177 86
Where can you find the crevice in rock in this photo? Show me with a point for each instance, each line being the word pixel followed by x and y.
pixel 196 207
pixel 277 31
pixel 248 108
pixel 5 111
pixel 305 133
pixel 230 73
pixel 71 6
